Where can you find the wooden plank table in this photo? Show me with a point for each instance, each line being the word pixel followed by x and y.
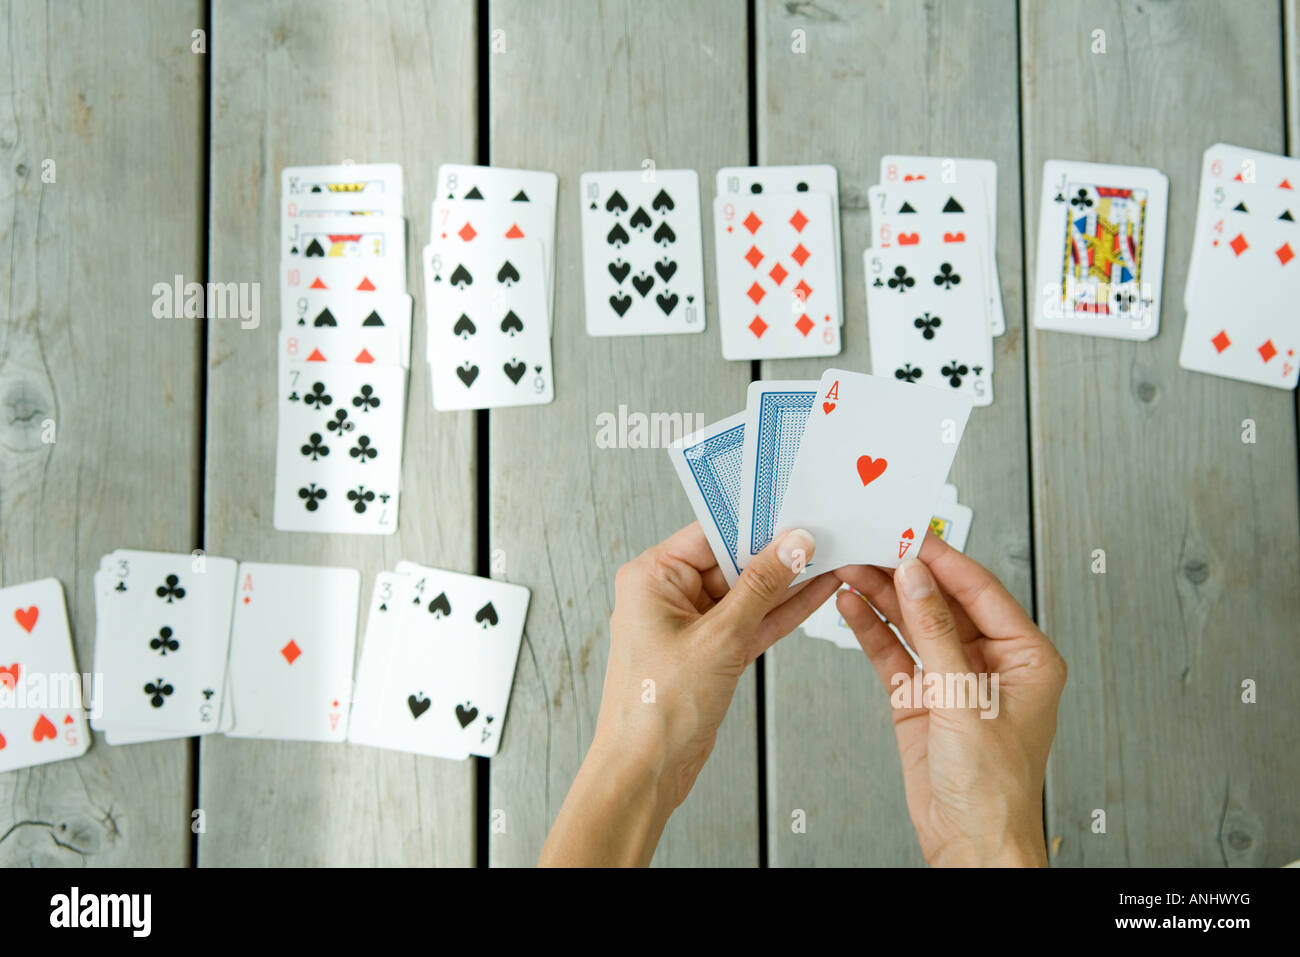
pixel 166 428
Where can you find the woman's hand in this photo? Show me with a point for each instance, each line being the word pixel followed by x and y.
pixel 679 642
pixel 974 784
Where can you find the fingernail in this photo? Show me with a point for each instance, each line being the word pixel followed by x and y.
pixel 796 549
pixel 915 578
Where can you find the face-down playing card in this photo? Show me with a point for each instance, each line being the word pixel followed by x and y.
pixel 870 468
pixel 776 413
pixel 708 464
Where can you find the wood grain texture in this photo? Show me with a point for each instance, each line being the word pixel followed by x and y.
pixel 1291 30
pixel 115 104
pixel 1140 458
pixel 603 86
pixel 888 77
pixel 301 83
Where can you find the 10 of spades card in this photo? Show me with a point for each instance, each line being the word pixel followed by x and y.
pixel 1101 249
pixel 642 257
pixel 41 692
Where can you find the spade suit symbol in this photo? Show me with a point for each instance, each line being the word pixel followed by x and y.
pixel 519 197
pixel 466 715
pixel 512 323
pixel 325 318
pixel 665 268
pixel 507 273
pixel 667 302
pixel 314 248
pixel 461 277
pixel 487 615
pixel 616 203
pixel 464 327
pixel 643 283
pixel 640 219
pixel 473 193
pixel 620 304
pixel 467 374
pixel 662 201
pixel 618 236
pixel 665 234
pixel 418 705
pixel 374 319
pixel 440 607
pixel 619 270
pixel 514 372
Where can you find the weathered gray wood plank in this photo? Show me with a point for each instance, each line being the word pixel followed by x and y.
pixel 597 86
pixel 84 161
pixel 888 77
pixel 310 82
pixel 1135 456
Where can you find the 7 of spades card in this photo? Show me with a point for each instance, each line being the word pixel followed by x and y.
pixel 642 258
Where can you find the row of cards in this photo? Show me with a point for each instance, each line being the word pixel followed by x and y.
pixel 489 282
pixel 344 349
pixel 934 302
pixel 823 456
pixel 951 522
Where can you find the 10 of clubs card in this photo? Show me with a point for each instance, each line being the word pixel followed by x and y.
pixel 1101 249
pixel 642 257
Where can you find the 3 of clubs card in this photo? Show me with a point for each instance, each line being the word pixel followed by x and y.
pixel 642 258
pixel 1101 249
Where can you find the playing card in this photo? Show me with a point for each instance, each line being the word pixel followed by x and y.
pixel 777 284
pixel 292 641
pixel 790 179
pixel 957 172
pixel 162 636
pixel 870 467
pixel 41 702
pixel 339 447
pixel 927 321
pixel 776 413
pixel 1101 249
pixel 349 311
pixel 371 345
pixel 488 342
pixel 471 629
pixel 369 188
pixel 952 520
pixel 708 464
pixel 642 256
pixel 1243 281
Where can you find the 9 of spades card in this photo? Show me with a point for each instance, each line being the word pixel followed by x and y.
pixel 488 342
pixel 926 313
pixel 339 447
pixel 777 289
pixel 865 484
pixel 642 258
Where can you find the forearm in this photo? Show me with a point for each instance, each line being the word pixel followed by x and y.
pixel 613 815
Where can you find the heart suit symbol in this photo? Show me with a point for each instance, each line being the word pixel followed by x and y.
pixel 870 469
pixel 26 617
pixel 9 676
pixel 43 729
pixel 828 407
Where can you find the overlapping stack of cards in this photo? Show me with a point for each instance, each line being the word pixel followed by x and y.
pixel 857 460
pixel 192 644
pixel 344 349
pixel 489 284
pixel 933 299
pixel 951 522
pixel 438 662
pixel 1101 249
pixel 1243 281
pixel 642 259
pixel 42 695
pixel 777 240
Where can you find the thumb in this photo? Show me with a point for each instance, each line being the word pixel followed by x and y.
pixel 763 584
pixel 930 623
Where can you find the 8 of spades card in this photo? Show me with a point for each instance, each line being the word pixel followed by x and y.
pixel 642 257
pixel 777 289
pixel 36 726
pixel 488 341
pixel 339 447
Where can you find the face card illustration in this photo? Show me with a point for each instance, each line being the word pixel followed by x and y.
pixel 777 289
pixel 708 464
pixel 865 484
pixel 1101 249
pixel 367 189
pixel 293 637
pixel 41 714
pixel 896 170
pixel 164 632
pixel 350 311
pixel 642 255
pixel 790 179
pixel 327 240
pixel 925 309
pixel 339 447
pixel 488 341
pixel 776 413
pixel 477 624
